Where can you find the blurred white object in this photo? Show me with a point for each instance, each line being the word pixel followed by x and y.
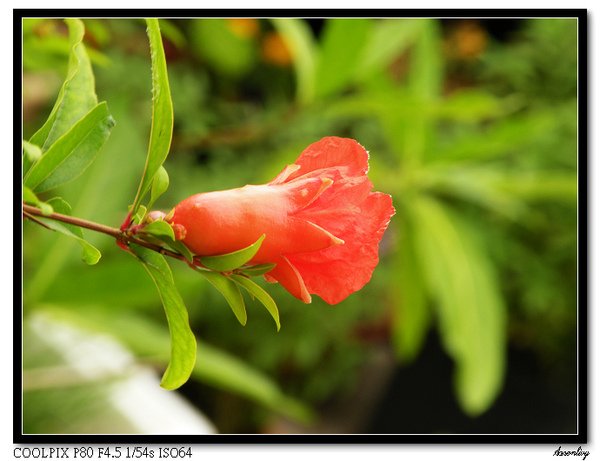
pixel 133 390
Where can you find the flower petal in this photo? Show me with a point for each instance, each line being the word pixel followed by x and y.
pixel 336 272
pixel 322 223
pixel 302 192
pixel 297 236
pixel 344 154
pixel 285 174
pixel 288 276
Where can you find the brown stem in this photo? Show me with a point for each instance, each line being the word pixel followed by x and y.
pixel 75 221
pixel 30 211
pixel 37 221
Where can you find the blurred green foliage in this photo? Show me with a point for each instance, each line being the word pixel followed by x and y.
pixel 475 139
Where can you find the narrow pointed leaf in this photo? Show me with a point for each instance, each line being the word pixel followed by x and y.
pixel 470 306
pixel 258 269
pixel 70 155
pixel 140 214
pixel 230 292
pixel 159 229
pixel 163 231
pixel 160 184
pixel 89 254
pixel 231 261
pixel 183 342
pixel 425 82
pixel 31 154
pixel 407 119
pixel 32 199
pixel 341 49
pixel 389 39
pixel 260 294
pixel 412 315
pixel 77 95
pixel 426 73
pixel 298 37
pixel 180 247
pixel 29 196
pixel 162 113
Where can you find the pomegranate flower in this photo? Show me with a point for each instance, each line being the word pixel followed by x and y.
pixel 322 222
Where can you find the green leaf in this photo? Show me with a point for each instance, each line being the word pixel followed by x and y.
pixel 405 111
pixel 31 154
pixel 342 45
pixel 412 316
pixel 89 254
pixel 231 261
pixel 70 155
pixel 102 177
pixel 160 184
pixel 31 198
pixel 230 292
pixel 163 231
pixel 299 39
pixel 77 95
pixel 260 294
pixel 258 269
pixel 180 247
pixel 183 342
pixel 31 151
pixel 426 67
pixel 425 84
pixel 388 40
pixel 471 310
pixel 140 214
pixel 159 229
pixel 162 113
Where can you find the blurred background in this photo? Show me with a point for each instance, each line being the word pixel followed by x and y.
pixel 469 324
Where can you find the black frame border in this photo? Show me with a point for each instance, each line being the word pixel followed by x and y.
pixel 581 437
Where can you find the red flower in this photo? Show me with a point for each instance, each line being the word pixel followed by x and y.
pixel 322 222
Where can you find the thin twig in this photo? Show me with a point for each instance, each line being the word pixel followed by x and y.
pixel 30 211
pixel 37 221
pixel 114 232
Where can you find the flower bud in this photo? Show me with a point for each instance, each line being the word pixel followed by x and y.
pixel 322 222
pixel 154 215
pixel 179 231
